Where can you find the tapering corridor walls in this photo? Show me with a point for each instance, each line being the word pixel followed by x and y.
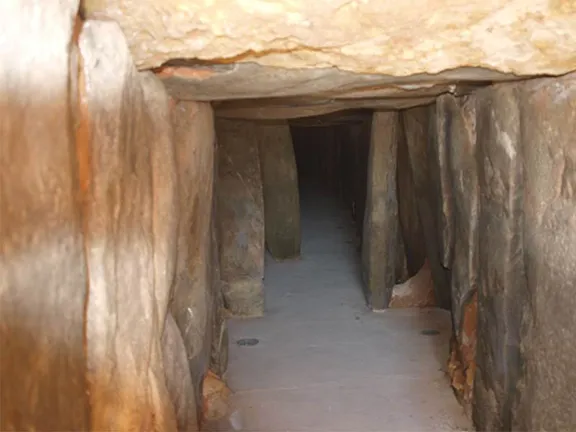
pixel 131 225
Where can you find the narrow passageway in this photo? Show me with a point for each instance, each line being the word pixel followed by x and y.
pixel 323 361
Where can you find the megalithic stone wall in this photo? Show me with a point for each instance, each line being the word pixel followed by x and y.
pixel 43 270
pixel 240 217
pixel 131 222
pixel 545 398
pixel 194 297
pixel 416 125
pixel 380 233
pixel 280 187
pixel 95 228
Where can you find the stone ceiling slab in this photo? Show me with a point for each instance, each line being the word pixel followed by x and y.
pixel 390 37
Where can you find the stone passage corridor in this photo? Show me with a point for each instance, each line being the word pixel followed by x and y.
pixel 324 362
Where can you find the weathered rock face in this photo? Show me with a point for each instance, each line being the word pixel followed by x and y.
pixel 193 303
pixel 410 226
pixel 240 217
pixel 501 277
pixel 380 234
pixel 280 186
pixel 548 132
pixel 178 378
pixel 418 291
pixel 440 178
pixel 43 282
pixel 348 35
pixel 130 222
pixel 510 154
pixel 95 220
pixel 460 121
pixel 416 123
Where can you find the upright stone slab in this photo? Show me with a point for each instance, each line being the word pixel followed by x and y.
pixel 178 378
pixel 381 218
pixel 501 278
pixel 130 223
pixel 193 297
pixel 42 265
pixel 416 122
pixel 240 217
pixel 360 136
pixel 548 113
pixel 219 351
pixel 438 149
pixel 411 228
pixel 280 186
pixel 460 119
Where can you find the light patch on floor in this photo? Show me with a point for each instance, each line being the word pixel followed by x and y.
pixel 324 362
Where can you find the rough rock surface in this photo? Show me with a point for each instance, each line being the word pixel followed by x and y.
pixel 410 226
pixel 327 55
pixel 130 224
pixel 460 121
pixel 280 186
pixel 178 379
pixel 349 35
pixel 462 362
pixel 240 217
pixel 418 291
pixel 219 353
pixel 416 123
pixel 193 298
pixel 440 177
pixel 548 131
pixel 380 235
pixel 42 266
pixel 501 277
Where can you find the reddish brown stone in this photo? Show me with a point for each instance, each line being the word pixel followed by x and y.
pixel 462 363
pixel 416 292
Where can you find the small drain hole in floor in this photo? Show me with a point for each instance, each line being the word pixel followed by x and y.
pixel 248 342
pixel 430 332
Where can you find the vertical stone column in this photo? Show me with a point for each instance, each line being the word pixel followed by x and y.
pixel 360 137
pixel 548 114
pixel 461 142
pixel 42 265
pixel 438 154
pixel 501 278
pixel 416 121
pixel 131 221
pixel 411 228
pixel 280 186
pixel 381 216
pixel 240 217
pixel 193 296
